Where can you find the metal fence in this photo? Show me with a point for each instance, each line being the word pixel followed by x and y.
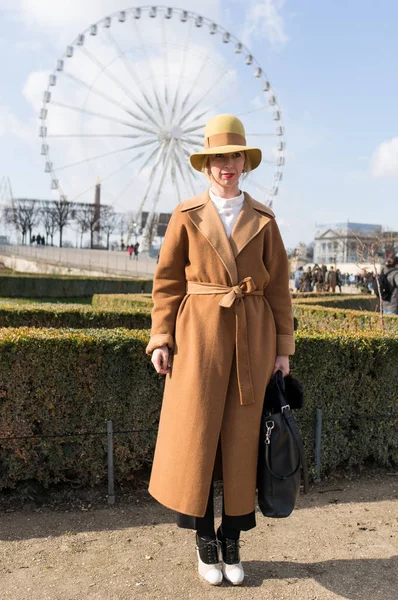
pixel 109 262
pixel 109 433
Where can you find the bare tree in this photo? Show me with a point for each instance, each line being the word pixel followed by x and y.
pixel 109 222
pixel 370 252
pixel 12 217
pixel 32 212
pixel 62 213
pixel 49 220
pixel 87 217
pixel 122 228
pixel 81 220
pixel 24 215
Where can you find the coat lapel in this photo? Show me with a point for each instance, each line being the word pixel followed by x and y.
pixel 204 215
pixel 252 218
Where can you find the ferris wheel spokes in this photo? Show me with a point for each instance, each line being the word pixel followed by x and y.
pixel 146 232
pixel 182 71
pixel 105 96
pixel 149 64
pixel 119 169
pixel 102 116
pixel 115 80
pixel 211 90
pixel 130 70
pixel 161 152
pixel 106 154
pixel 185 172
pixel 175 183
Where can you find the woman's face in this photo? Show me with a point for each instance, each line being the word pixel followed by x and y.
pixel 226 169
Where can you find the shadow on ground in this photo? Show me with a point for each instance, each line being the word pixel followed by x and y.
pixel 354 579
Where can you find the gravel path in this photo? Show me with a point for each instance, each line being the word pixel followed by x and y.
pixel 340 542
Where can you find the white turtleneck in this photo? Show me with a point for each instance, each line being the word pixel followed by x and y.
pixel 228 209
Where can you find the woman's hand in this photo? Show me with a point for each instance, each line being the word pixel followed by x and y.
pixel 282 364
pixel 160 359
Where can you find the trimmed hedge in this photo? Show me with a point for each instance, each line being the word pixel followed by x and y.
pixel 77 317
pixel 353 302
pixel 313 294
pixel 68 287
pixel 318 318
pixel 121 301
pixel 64 381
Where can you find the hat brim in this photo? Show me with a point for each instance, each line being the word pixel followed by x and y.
pixel 254 155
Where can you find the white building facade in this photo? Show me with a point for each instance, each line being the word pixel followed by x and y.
pixel 344 242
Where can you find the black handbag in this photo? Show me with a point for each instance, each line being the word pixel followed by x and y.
pixel 281 451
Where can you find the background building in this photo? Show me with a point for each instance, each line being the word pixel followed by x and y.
pixel 345 242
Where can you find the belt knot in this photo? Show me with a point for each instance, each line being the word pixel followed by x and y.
pixel 245 286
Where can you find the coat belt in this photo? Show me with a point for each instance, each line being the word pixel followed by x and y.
pixel 246 287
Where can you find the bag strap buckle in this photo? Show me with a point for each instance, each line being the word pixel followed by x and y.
pixel 269 425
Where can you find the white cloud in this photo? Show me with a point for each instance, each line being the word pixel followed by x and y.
pixel 34 88
pixel 264 19
pixel 384 162
pixel 61 21
pixel 11 125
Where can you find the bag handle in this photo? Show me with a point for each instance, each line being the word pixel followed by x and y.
pixel 291 423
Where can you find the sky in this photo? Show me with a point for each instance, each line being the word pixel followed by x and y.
pixel 331 64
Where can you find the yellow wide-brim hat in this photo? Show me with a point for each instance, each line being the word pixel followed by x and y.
pixel 224 134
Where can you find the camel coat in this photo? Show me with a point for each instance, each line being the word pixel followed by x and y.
pixel 224 335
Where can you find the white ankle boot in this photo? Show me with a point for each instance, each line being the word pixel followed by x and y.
pixel 209 568
pixel 233 573
pixel 231 566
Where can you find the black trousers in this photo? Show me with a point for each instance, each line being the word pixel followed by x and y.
pixel 206 523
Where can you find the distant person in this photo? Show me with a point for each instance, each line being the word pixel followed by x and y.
pixel 130 250
pixel 324 270
pixel 38 239
pixel 338 279
pixel 388 281
pixel 32 241
pixel 331 280
pixel 136 252
pixel 298 277
pixel 318 278
pixel 306 285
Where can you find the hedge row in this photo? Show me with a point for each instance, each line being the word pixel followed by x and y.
pixel 133 311
pixel 313 294
pixel 318 318
pixel 76 317
pixel 353 302
pixel 64 381
pixel 68 287
pixel 121 301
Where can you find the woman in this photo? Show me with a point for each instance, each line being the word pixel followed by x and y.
pixel 221 326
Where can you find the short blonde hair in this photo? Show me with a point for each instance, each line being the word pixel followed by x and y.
pixel 247 167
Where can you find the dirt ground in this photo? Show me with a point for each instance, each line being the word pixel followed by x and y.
pixel 340 542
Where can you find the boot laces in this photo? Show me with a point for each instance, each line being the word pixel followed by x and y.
pixel 211 547
pixel 232 550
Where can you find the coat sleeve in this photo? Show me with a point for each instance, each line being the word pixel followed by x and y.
pixel 277 291
pixel 169 283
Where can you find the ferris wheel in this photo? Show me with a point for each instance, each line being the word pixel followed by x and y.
pixel 129 100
